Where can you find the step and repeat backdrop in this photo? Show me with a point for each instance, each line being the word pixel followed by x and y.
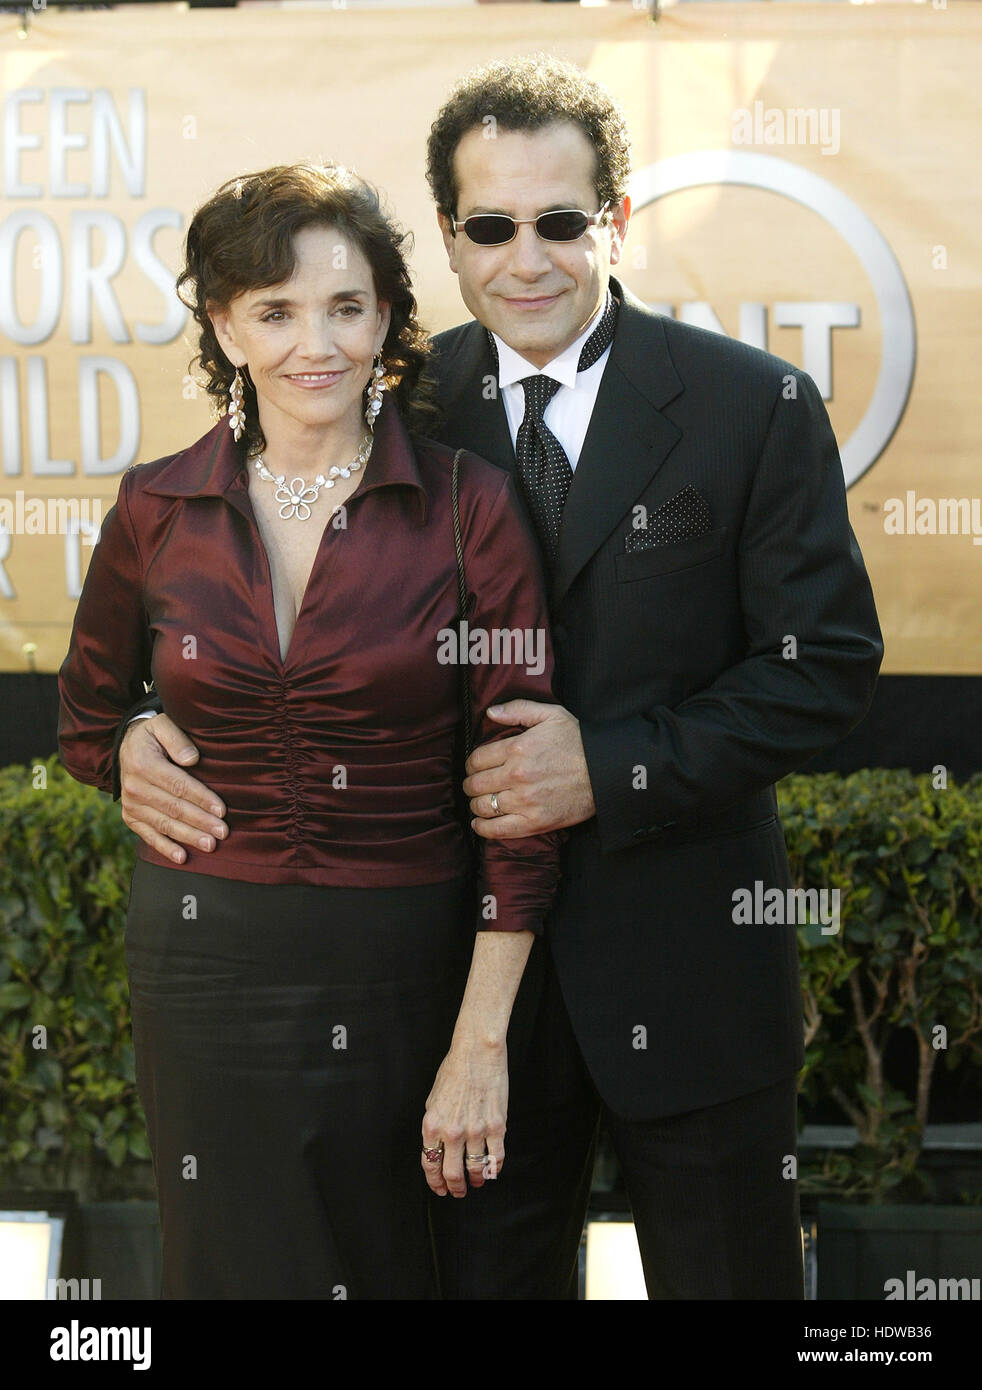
pixel 806 178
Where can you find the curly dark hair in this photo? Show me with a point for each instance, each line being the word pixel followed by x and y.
pixel 242 239
pixel 527 94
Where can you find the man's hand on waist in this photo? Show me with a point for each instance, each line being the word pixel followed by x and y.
pixel 166 807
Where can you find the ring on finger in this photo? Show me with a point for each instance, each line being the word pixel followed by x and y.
pixel 495 808
pixel 434 1155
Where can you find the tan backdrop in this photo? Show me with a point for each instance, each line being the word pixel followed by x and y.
pixel 116 125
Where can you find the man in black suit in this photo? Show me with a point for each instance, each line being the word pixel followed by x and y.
pixel 714 628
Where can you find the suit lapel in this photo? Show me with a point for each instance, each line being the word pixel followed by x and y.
pixel 627 441
pixel 474 413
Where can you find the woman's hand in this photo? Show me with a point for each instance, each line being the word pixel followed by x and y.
pixel 466 1112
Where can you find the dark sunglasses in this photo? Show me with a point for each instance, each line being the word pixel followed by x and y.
pixel 497 229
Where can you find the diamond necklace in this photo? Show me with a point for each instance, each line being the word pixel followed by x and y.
pixel 295 497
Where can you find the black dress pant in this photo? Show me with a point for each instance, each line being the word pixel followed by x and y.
pixel 286 1039
pixel 715 1216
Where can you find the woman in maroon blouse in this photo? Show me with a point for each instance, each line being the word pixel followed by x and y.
pixel 289 583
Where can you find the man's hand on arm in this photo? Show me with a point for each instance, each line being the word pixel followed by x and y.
pixel 540 776
pixel 166 807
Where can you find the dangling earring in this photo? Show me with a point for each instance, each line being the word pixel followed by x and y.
pixel 236 407
pixel 375 388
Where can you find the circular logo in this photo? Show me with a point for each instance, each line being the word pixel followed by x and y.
pixel 899 342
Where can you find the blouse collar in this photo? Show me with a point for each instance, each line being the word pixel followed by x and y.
pixel 215 463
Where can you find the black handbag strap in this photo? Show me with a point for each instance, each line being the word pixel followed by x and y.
pixel 465 685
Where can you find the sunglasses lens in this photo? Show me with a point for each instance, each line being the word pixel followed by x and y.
pixel 489 229
pixel 561 226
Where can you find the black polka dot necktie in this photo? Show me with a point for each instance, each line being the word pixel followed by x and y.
pixel 544 471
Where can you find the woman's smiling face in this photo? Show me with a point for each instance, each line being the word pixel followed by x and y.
pixel 309 342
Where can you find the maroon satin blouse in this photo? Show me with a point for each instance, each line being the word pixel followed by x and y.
pixel 335 764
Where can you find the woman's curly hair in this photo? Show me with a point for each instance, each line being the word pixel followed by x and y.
pixel 242 239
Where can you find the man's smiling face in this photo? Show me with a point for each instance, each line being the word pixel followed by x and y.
pixel 537 295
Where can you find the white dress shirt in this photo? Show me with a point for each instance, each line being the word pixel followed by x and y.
pixel 568 413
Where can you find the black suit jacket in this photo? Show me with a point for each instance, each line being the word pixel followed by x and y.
pixel 676 660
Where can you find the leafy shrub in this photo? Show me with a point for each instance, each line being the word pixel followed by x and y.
pixel 905 855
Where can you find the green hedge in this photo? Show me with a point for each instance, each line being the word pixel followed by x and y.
pixel 71 1116
pixel 905 852
pixel 905 855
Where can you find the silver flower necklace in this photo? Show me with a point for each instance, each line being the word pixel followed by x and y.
pixel 296 496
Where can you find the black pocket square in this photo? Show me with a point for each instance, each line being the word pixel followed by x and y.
pixel 683 516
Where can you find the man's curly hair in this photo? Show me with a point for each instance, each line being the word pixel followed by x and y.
pixel 528 94
pixel 242 239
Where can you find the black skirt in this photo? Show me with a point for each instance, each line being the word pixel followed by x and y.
pixel 286 1039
